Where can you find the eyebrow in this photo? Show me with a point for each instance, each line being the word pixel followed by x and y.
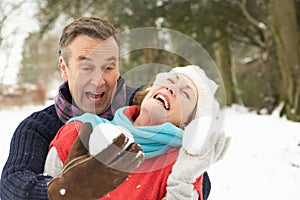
pixel 112 58
pixel 80 58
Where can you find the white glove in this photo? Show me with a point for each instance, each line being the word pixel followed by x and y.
pixel 188 168
pixel 103 135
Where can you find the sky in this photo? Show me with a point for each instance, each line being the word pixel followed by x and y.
pixel 262 162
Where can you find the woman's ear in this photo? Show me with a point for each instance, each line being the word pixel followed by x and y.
pixel 63 69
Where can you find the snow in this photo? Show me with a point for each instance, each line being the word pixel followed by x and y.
pixel 262 162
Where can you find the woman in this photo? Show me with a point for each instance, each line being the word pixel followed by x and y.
pixel 156 124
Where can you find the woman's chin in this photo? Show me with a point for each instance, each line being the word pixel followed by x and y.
pixel 157 115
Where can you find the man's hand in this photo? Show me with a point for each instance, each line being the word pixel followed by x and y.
pixel 90 177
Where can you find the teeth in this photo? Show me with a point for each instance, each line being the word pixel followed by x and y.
pixel 163 99
pixel 95 93
pixel 95 96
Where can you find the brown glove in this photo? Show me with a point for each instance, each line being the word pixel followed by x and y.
pixel 90 177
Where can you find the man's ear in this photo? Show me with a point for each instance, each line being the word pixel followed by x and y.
pixel 63 69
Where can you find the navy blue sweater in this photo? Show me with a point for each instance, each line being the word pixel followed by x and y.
pixel 22 176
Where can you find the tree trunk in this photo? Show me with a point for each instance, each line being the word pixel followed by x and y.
pixel 223 61
pixel 287 37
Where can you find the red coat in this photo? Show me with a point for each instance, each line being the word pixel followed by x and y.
pixel 149 181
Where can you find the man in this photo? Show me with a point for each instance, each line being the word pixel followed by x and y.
pixel 88 60
pixel 89 65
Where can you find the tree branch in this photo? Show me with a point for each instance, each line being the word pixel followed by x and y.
pixel 243 6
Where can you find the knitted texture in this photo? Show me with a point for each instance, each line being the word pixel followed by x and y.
pixel 206 104
pixel 147 182
pixel 154 140
pixel 22 176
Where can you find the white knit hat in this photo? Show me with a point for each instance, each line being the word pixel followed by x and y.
pixel 206 104
pixel 200 134
pixel 205 125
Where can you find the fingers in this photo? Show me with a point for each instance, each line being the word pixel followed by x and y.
pixel 107 155
pixel 80 145
pixel 139 159
pixel 129 159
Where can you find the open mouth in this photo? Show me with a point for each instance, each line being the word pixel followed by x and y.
pixel 94 96
pixel 162 99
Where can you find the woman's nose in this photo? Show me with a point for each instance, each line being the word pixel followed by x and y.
pixel 170 90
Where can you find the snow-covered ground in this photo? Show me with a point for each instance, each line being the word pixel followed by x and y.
pixel 262 162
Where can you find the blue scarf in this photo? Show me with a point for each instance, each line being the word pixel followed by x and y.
pixel 154 140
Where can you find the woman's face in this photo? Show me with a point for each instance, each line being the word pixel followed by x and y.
pixel 172 98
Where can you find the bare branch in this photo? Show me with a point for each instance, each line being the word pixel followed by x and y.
pixel 243 6
pixel 246 35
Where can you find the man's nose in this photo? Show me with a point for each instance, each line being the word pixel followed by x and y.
pixel 98 78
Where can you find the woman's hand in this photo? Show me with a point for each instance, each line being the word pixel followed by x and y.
pixel 188 167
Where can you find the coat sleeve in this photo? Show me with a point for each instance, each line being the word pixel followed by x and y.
pixel 60 148
pixel 206 186
pixel 65 138
pixel 201 188
pixel 22 176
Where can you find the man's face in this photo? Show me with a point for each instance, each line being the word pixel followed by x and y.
pixel 92 72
